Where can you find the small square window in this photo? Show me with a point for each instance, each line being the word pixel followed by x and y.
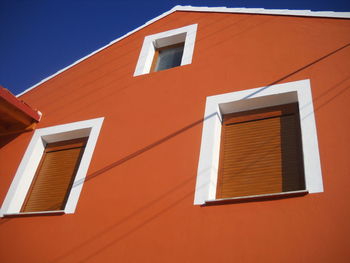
pixel 167 57
pixel 166 50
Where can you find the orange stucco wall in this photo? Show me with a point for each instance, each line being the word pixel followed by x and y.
pixel 137 202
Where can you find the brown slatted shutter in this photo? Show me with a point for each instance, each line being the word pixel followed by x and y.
pixel 54 176
pixel 261 152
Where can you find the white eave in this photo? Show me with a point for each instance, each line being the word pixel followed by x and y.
pixel 284 12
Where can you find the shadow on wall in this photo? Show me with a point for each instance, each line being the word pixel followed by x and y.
pixel 7 139
pixel 120 235
pixel 298 70
pixel 179 186
pixel 145 149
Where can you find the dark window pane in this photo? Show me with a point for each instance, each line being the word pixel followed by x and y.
pixel 169 57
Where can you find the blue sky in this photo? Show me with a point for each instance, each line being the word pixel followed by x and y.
pixel 40 37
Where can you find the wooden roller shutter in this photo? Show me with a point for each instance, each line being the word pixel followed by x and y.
pixel 261 152
pixel 54 177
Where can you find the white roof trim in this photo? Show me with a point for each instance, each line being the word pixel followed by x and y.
pixel 287 12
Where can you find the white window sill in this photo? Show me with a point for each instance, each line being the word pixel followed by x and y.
pixel 251 198
pixel 59 212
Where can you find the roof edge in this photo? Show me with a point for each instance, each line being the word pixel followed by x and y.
pixel 100 49
pixel 285 12
pixel 20 105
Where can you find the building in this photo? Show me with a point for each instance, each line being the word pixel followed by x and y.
pixel 205 135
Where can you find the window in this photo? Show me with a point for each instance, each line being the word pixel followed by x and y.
pixel 249 117
pixel 167 57
pixel 166 50
pixel 51 174
pixel 260 152
pixel 54 176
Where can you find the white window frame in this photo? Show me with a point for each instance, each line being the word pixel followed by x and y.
pixel 216 106
pixel 31 159
pixel 185 34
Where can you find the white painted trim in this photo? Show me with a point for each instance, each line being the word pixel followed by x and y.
pixel 30 161
pixel 185 34
pixel 283 12
pixel 256 197
pixel 216 106
pixel 286 12
pixel 37 213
